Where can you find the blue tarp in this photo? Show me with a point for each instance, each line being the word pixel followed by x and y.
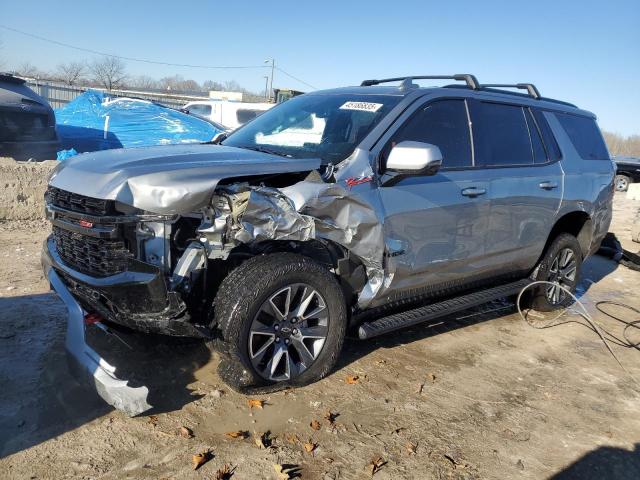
pixel 96 121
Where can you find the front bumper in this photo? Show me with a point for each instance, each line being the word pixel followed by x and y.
pixel 90 365
pixel 137 298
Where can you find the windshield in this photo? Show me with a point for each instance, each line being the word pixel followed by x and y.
pixel 328 126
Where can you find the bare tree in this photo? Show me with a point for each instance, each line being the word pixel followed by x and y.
pixel 212 85
pixel 72 73
pixel 179 83
pixel 144 82
pixel 233 86
pixel 623 146
pixel 28 70
pixel 109 72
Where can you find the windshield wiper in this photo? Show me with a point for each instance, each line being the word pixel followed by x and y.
pixel 259 148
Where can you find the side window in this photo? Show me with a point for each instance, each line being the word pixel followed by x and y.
pixel 200 110
pixel 245 115
pixel 585 136
pixel 443 123
pixel 539 153
pixel 553 151
pixel 501 135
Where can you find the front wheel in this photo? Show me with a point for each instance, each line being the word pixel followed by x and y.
pixel 561 266
pixel 283 317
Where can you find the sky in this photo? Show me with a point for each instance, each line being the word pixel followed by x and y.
pixel 582 51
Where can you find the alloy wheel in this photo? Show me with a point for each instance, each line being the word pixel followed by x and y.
pixel 288 332
pixel 563 273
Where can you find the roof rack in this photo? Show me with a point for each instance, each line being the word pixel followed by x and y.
pixel 472 81
pixel 529 87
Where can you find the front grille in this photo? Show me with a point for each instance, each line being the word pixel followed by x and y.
pixel 98 257
pixel 79 203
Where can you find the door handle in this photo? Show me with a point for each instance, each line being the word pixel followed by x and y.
pixel 548 185
pixel 473 192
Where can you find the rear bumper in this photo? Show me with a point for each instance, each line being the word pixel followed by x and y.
pixel 88 365
pixel 137 298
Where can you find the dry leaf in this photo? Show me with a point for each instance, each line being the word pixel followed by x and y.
pixel 375 465
pixel 292 438
pixel 255 403
pixel 330 417
pixel 420 388
pixel 262 440
pixel 286 472
pixel 315 425
pixel 185 432
pixel 432 377
pixel 310 446
pixel 282 474
pixel 352 379
pixel 239 434
pixel 411 448
pixel 224 473
pixel 381 362
pixel 153 420
pixel 200 459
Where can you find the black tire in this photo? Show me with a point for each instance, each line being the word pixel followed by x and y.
pixel 622 183
pixel 242 296
pixel 539 298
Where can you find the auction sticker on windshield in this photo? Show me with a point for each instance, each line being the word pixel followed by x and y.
pixel 361 106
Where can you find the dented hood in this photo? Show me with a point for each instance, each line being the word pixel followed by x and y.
pixel 168 179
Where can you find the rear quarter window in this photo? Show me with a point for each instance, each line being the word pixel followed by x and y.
pixel 584 135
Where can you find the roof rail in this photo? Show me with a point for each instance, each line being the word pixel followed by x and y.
pixel 471 80
pixel 529 87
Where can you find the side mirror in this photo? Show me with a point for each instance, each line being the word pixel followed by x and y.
pixel 415 158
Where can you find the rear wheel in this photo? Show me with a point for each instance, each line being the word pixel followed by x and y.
pixel 561 266
pixel 622 183
pixel 283 317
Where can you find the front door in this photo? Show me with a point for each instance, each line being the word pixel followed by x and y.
pixel 435 226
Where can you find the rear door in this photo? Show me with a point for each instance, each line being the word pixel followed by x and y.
pixel 526 183
pixel 435 226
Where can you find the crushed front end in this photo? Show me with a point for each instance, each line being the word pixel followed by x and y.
pixel 113 262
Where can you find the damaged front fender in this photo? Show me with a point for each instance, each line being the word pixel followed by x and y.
pixel 346 211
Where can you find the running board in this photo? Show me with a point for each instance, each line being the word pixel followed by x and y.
pixel 418 315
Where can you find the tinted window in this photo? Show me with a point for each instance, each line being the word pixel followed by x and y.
pixel 539 153
pixel 553 151
pixel 500 134
pixel 200 110
pixel 585 136
pixel 444 124
pixel 245 115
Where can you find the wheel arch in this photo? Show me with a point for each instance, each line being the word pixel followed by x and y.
pixel 348 268
pixel 577 223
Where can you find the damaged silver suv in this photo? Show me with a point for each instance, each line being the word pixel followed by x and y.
pixel 363 209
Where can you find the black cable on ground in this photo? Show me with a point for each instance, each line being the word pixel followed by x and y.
pixel 604 335
pixel 624 341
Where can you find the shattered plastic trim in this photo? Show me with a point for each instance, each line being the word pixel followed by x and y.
pixel 116 392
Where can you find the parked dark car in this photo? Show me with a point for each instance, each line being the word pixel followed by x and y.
pixel 627 172
pixel 27 122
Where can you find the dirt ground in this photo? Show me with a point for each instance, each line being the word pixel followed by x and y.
pixel 478 395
